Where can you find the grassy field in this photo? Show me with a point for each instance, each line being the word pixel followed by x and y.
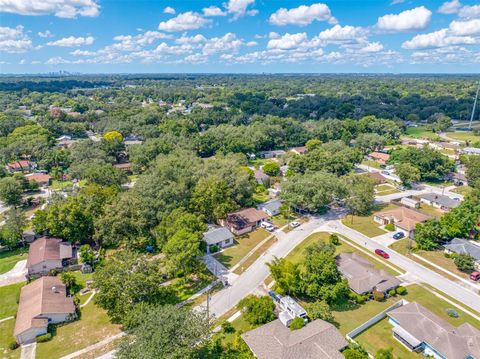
pixel 463 136
pixel 93 326
pixel 385 189
pixel 421 132
pixel 6 337
pixel 371 163
pixel 430 210
pixel 9 295
pixel 243 244
pixel 8 259
pixel 463 190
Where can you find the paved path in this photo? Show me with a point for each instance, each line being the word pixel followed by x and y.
pixel 28 351
pixel 94 346
pixel 15 275
pixel 454 290
pixel 7 318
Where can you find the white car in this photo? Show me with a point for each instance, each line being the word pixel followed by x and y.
pixel 294 224
pixel 269 227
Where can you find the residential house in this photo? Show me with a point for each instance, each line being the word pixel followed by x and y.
pixel 380 157
pixel 462 246
pixel 21 166
pixel 42 302
pixel 47 253
pixel 410 202
pixel 271 154
pixel 317 339
pixel 42 179
pixel 471 151
pixel 362 276
pixel 377 177
pixel 261 177
pixel 219 237
pixel 440 201
pixel 404 219
pixel 272 207
pixel 125 166
pixel 421 331
pixel 244 221
pixel 299 150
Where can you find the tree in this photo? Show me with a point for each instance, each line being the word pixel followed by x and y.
pixel 12 231
pixel 213 198
pixel 408 173
pixel 70 282
pixel 113 135
pixel 297 323
pixel 168 332
pixel 257 310
pixel 104 175
pixel 126 279
pixel 360 194
pixel 10 191
pixel 271 168
pixel 429 235
pixel 350 353
pixel 384 353
pixel 313 144
pixel 320 310
pixel 183 250
pixel 286 275
pixel 368 142
pixel 473 169
pixel 464 262
pixel 87 255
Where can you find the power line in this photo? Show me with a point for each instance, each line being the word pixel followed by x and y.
pixel 474 106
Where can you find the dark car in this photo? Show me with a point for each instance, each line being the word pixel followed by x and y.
pixel 398 235
pixel 382 253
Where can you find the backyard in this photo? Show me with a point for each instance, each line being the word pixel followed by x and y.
pixel 8 299
pixel 365 224
pixel 421 132
pixel 8 259
pixel 6 337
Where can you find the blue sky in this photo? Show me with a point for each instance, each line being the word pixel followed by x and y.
pixel 99 36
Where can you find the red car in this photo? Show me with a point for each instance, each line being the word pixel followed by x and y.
pixel 382 253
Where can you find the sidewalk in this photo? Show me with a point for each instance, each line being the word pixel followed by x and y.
pixel 15 275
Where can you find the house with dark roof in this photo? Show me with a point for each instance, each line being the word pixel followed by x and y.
pixel 421 331
pixel 244 221
pixel 219 237
pixel 47 253
pixel 404 219
pixel 440 201
pixel 42 302
pixel 362 276
pixel 462 246
pixel 271 207
pixel 318 339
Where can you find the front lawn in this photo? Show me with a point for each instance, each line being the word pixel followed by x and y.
pixel 255 255
pixel 9 295
pixel 421 132
pixel 371 163
pixel 185 288
pixel 243 244
pixel 6 337
pixel 385 189
pixel 8 259
pixel 93 326
pixel 365 225
pixel 463 136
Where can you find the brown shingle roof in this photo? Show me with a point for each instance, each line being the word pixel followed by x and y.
pixel 38 177
pixel 404 218
pixel 380 156
pixel 317 339
pixel 451 342
pixel 246 217
pixel 46 295
pixel 48 248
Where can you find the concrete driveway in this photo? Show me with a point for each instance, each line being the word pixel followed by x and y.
pixel 385 239
pixel 15 275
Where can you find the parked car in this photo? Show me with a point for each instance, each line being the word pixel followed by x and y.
pixel 398 235
pixel 294 224
pixel 385 173
pixel 475 276
pixel 274 296
pixel 382 253
pixel 269 227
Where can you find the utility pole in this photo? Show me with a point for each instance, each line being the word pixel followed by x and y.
pixel 474 106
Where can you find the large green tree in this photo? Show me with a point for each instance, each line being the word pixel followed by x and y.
pixel 10 191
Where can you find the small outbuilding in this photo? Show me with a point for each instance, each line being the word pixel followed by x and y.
pixel 219 237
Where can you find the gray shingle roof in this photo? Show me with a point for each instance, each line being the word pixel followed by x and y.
pixel 440 199
pixel 272 206
pixel 217 234
pixel 459 246
pixel 317 339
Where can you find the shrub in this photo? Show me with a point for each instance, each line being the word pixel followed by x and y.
pixel 44 338
pixel 401 290
pixel 13 345
pixel 464 262
pixel 378 296
pixel 320 310
pixel 227 327
pixel 334 239
pixel 390 227
pixel 214 249
pixel 392 292
pixel 360 299
pixel 297 323
pixel 452 313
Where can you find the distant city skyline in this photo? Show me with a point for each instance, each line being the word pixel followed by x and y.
pixel 239 36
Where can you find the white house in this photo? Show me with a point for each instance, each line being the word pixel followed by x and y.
pixel 219 237
pixel 272 207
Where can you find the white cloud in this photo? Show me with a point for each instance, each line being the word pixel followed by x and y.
pixel 197 39
pixel 252 43
pixel 288 41
pixel 414 19
pixel 372 47
pixel 134 43
pixel 339 34
pixel 45 34
pixel 60 8
pixel 450 7
pixel 22 62
pixel 470 12
pixel 302 15
pixel 227 43
pixel 462 28
pixel 440 38
pixel 169 10
pixel 13 40
pixel 72 41
pixel 213 11
pixel 239 8
pixel 395 2
pixel 83 53
pixel 186 21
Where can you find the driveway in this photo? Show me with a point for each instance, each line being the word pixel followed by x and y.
pixel 15 275
pixel 28 351
pixel 385 239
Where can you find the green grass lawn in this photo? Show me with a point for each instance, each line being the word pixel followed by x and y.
pixel 463 136
pixel 8 259
pixel 279 221
pixel 6 337
pixel 402 246
pixel 365 224
pixel 463 190
pixel 184 289
pixel 243 244
pixel 385 189
pixel 93 326
pixel 371 163
pixel 250 260
pixel 421 132
pixel 9 295
pixel 59 185
pixel 430 210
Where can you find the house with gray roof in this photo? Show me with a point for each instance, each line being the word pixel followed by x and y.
pixel 362 276
pixel 219 237
pixel 423 332
pixel 318 339
pixel 272 207
pixel 441 201
pixel 471 151
pixel 462 246
pixel 271 154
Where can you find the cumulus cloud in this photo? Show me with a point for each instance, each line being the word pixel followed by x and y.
pixel 470 12
pixel 213 11
pixel 14 40
pixel 372 47
pixel 302 15
pixel 133 43
pixel 83 53
pixel 341 34
pixel 72 41
pixel 288 41
pixel 227 43
pixel 462 28
pixel 60 8
pixel 185 21
pixel 169 10
pixel 239 8
pixel 45 34
pixel 440 38
pixel 409 20
pixel 450 7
